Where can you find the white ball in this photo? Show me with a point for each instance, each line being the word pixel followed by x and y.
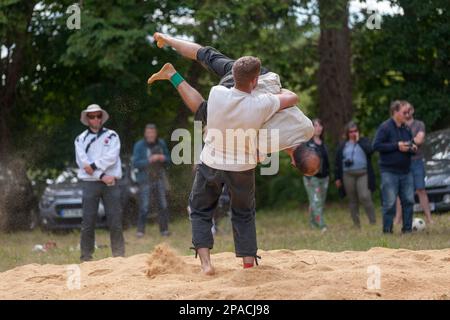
pixel 418 224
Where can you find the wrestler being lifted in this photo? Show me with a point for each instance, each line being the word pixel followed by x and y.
pixel 294 128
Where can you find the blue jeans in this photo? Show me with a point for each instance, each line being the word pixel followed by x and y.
pixel 418 172
pixel 393 185
pixel 145 197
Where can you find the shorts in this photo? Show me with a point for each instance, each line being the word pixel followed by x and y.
pixel 418 172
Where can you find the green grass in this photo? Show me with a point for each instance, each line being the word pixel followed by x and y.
pixel 276 229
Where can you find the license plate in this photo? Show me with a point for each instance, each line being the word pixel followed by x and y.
pixel 71 213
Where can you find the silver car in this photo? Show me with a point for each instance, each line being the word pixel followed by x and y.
pixel 60 206
pixel 437 167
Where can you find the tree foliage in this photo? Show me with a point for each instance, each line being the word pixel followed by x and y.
pixel 408 58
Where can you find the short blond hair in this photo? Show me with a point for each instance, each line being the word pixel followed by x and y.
pixel 245 69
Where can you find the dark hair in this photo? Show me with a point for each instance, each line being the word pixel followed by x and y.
pixel 303 155
pixel 153 127
pixel 395 106
pixel 245 69
pixel 321 123
pixel 150 126
pixel 348 126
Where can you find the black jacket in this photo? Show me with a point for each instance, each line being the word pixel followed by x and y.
pixel 386 143
pixel 366 145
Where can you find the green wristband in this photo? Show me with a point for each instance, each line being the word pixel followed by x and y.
pixel 176 79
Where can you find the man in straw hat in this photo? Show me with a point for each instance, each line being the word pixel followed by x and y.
pixel 97 152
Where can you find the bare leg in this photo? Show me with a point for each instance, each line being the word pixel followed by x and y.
pixel 191 97
pixel 205 259
pixel 424 203
pixel 185 48
pixel 398 213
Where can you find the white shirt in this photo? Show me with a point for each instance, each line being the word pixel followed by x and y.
pixel 234 118
pixel 101 149
pixel 288 127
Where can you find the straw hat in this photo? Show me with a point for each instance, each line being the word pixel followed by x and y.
pixel 93 108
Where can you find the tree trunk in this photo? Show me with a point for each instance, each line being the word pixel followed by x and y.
pixel 12 71
pixel 334 87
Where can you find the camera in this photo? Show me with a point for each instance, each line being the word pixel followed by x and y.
pixel 348 162
pixel 410 145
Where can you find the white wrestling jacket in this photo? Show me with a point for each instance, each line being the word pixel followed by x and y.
pixel 293 126
pixel 100 150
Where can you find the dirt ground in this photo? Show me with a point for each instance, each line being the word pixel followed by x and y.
pixel 378 273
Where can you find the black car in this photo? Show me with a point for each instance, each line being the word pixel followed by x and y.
pixel 60 206
pixel 437 166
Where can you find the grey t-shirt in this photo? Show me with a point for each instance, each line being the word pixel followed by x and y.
pixel 417 126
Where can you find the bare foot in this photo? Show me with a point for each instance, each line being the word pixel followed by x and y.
pixel 160 38
pixel 208 270
pixel 166 72
pixel 205 260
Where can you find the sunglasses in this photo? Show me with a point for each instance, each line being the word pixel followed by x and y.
pixel 353 131
pixel 93 116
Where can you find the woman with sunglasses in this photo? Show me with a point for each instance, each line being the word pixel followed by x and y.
pixel 354 173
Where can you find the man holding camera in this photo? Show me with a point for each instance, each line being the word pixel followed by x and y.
pixel 395 143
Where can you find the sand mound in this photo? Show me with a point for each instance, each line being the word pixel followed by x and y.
pixel 164 260
pixel 282 274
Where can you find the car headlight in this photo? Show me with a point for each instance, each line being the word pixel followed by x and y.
pixel 447 181
pixel 47 202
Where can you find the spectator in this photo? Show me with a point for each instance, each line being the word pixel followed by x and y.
pixel 317 186
pixel 150 155
pixel 354 173
pixel 395 143
pixel 97 152
pixel 417 165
